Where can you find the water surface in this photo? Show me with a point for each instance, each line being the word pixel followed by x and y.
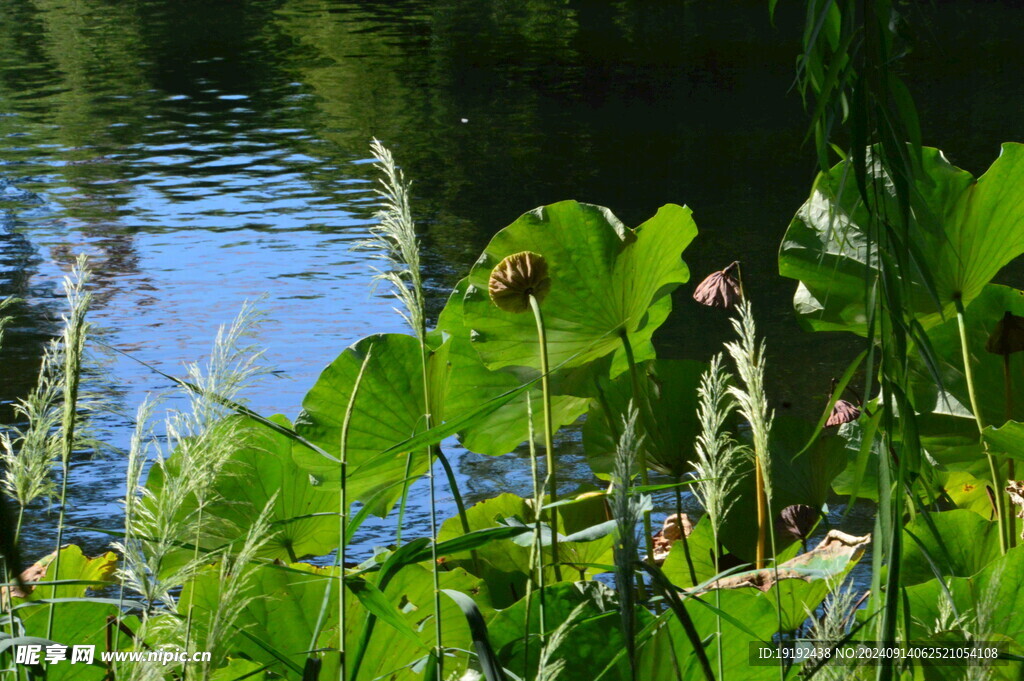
pixel 204 154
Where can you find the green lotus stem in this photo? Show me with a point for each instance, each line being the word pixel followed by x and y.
pixel 405 499
pixel 642 453
pixel 343 514
pixel 993 467
pixel 549 447
pixel 460 505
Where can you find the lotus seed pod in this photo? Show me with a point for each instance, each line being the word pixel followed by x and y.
pixel 842 412
pixel 1008 336
pixel 518 277
pixel 720 289
pixel 796 521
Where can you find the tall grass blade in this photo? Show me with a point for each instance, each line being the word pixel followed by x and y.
pixel 489 664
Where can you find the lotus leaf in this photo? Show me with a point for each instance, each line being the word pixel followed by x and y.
pixel 670 647
pixel 75 622
pixel 606 280
pixel 669 427
pixel 946 408
pixel 287 602
pixel 989 605
pixel 388 410
pixel 261 468
pixel 965 544
pixel 962 232
pixel 504 565
pixel 470 383
pixel 591 644
pixel 700 543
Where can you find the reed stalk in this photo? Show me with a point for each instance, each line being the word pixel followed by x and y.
pixel 752 402
pixel 76 330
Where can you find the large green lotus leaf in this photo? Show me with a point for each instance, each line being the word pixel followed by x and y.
pixel 991 603
pixel 504 565
pixel 668 420
pixel 74 624
pixel 1007 440
pixel 700 545
pixel 261 467
pixel 964 231
pixel 947 418
pixel 590 645
pixel 237 668
pixel 73 565
pixel 388 410
pixel 470 383
pixel 655 661
pixel 968 543
pixel 286 602
pixel 968 492
pixel 605 279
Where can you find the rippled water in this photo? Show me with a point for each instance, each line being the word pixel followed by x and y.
pixel 204 154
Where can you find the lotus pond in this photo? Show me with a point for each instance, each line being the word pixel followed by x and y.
pixel 535 470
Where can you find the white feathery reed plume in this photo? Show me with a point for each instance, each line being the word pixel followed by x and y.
pixel 199 443
pixel 4 319
pixel 28 453
pixel 76 330
pixel 718 454
pixel 235 577
pixel 832 626
pixel 394 238
pixel 717 465
pixel 748 355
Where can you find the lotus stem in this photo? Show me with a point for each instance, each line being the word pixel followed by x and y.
pixel 642 453
pixel 343 513
pixel 549 447
pixel 535 547
pixel 993 467
pixel 460 505
pixel 405 498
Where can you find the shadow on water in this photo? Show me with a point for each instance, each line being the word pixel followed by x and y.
pixel 204 153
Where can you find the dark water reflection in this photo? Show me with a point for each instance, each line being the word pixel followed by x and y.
pixel 204 153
